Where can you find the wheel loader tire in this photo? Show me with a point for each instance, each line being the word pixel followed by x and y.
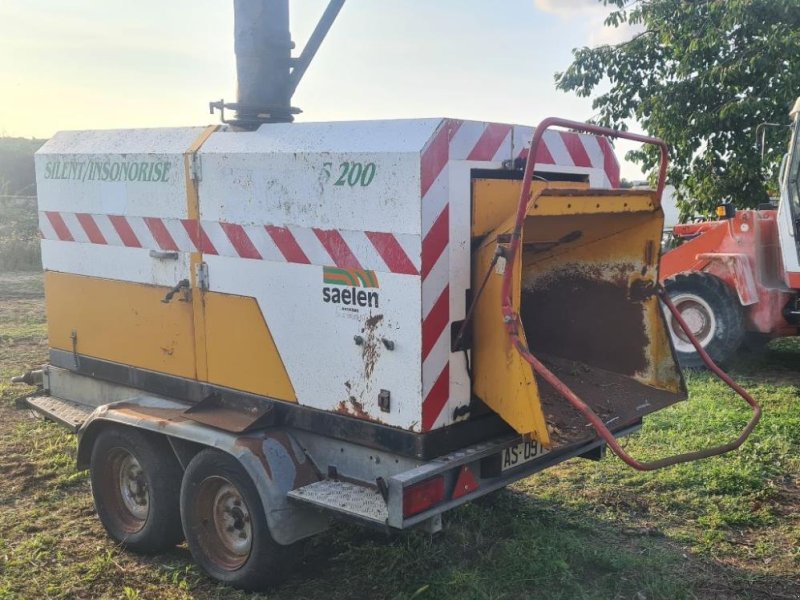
pixel 226 526
pixel 136 488
pixel 714 314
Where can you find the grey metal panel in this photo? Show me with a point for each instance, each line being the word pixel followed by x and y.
pixel 353 461
pixel 64 412
pixel 487 485
pixel 88 391
pixel 344 497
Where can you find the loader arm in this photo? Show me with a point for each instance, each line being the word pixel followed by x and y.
pixel 789 207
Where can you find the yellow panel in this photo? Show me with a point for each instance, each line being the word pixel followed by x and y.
pixel 584 272
pixel 570 202
pixel 240 351
pixel 501 378
pixel 198 301
pixel 120 321
pixel 196 258
pixel 495 200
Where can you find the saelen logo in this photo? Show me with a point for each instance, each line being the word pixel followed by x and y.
pixel 343 287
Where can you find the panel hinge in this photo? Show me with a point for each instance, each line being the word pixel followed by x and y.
pixel 195 169
pixel 201 276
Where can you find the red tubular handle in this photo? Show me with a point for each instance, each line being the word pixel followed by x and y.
pixel 512 323
pixel 527 180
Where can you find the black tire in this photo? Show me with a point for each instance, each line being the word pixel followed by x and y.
pixel 713 311
pixel 226 526
pixel 136 488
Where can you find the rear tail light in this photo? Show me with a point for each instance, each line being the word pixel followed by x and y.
pixel 423 495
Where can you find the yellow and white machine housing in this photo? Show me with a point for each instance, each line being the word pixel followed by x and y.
pixel 324 265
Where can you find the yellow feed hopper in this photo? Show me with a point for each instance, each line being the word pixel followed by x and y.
pixel 584 286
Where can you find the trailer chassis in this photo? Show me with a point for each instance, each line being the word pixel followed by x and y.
pixel 304 478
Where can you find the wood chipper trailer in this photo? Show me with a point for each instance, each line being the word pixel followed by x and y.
pixel 258 326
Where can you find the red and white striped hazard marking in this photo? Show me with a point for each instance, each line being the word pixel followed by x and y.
pixel 375 251
pixel 566 149
pixel 467 140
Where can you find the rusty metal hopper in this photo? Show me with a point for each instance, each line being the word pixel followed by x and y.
pixel 584 289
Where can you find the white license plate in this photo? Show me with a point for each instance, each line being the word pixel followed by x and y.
pixel 523 452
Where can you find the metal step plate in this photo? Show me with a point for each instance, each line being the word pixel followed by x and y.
pixel 346 498
pixel 64 412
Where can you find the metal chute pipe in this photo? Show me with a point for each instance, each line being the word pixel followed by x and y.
pixel 263 45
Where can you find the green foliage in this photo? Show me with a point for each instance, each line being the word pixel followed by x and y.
pixel 16 165
pixel 19 238
pixel 701 75
pixel 19 235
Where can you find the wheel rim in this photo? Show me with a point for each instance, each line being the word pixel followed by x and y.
pixel 698 315
pixel 128 490
pixel 226 532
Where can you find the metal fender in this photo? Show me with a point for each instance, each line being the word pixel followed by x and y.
pixel 741 271
pixel 272 457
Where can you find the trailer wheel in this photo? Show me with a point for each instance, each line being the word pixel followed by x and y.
pixel 225 523
pixel 136 485
pixel 713 313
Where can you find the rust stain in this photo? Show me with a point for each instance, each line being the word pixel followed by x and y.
pixel 225 418
pixel 373 321
pixel 353 408
pixel 161 416
pixel 370 355
pixel 370 350
pixel 305 472
pixel 256 446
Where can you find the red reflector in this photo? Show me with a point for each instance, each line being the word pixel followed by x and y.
pixel 423 495
pixel 465 483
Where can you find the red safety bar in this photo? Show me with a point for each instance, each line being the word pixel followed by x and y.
pixel 512 322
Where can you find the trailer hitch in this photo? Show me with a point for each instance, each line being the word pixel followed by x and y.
pixel 513 325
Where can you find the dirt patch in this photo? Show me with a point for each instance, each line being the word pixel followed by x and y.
pixel 618 400
pixel 586 313
pixel 371 345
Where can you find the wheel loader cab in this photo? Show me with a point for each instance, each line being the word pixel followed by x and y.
pixel 585 291
pixel 789 207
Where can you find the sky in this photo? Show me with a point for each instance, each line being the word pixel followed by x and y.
pixel 85 64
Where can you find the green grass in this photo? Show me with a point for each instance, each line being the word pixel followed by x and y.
pixel 727 527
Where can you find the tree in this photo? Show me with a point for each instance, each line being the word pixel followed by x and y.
pixel 702 75
pixel 16 165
